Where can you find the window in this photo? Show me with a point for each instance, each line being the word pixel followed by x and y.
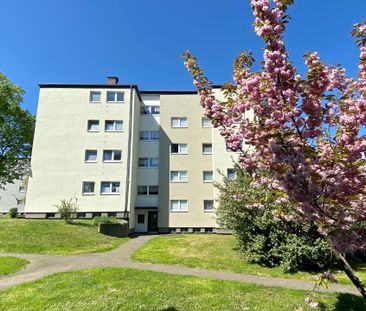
pixel 178 176
pixel 93 125
pixel 178 205
pixel 91 155
pixel 154 135
pixel 179 148
pixel 143 162
pixel 144 135
pixel 207 148
pixel 95 97
pixel 140 218
pixel 147 190
pixel 207 176
pixel 115 96
pixel 88 187
pixel 179 122
pixel 142 190
pixel 113 125
pixel 109 187
pixel 154 110
pixel 231 173
pixel 206 122
pixel 112 155
pixel 208 205
pixel 149 135
pixel 148 162
pixel 154 162
pixel 153 190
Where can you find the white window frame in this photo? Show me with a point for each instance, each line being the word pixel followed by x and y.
pixel 149 135
pixel 207 180
pixel 204 124
pixel 115 100
pixel 203 148
pixel 143 194
pixel 111 192
pixel 179 149
pixel 179 203
pixel 149 162
pixel 114 151
pixel 211 209
pixel 147 190
pixel 89 123
pixel 89 151
pixel 180 175
pixel 150 110
pixel 95 101
pixel 180 123
pixel 114 126
pixel 88 193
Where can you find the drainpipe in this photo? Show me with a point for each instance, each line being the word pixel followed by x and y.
pixel 130 150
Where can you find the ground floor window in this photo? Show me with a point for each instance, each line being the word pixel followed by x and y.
pixel 140 218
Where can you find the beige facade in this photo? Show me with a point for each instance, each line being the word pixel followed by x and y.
pixel 156 170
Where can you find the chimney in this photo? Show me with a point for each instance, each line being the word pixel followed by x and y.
pixel 112 80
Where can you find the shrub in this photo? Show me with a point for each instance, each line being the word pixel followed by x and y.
pixel 13 212
pixel 105 220
pixel 68 209
pixel 263 239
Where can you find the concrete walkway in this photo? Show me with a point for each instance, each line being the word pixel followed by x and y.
pixel 42 265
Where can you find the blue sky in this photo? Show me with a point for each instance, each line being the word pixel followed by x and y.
pixel 140 41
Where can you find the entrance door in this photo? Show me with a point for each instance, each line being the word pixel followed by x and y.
pixel 152 221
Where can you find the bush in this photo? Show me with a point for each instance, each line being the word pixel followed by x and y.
pixel 68 209
pixel 263 239
pixel 13 212
pixel 105 220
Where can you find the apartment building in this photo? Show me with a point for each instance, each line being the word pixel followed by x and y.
pixel 12 195
pixel 149 157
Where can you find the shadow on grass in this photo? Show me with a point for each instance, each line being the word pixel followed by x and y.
pixel 169 309
pixel 348 302
pixel 82 223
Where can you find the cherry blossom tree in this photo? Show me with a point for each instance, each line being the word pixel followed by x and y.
pixel 307 129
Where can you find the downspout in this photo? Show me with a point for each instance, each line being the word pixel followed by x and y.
pixel 130 150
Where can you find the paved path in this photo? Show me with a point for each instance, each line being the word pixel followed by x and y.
pixel 42 265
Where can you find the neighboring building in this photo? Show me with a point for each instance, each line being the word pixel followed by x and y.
pixel 13 195
pixel 146 156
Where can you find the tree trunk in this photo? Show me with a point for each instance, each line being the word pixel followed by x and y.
pixel 349 271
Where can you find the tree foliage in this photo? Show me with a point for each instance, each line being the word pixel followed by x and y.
pixel 307 130
pixel 16 133
pixel 261 238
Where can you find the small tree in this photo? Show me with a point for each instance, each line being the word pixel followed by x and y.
pixel 16 133
pixel 307 130
pixel 68 209
pixel 13 212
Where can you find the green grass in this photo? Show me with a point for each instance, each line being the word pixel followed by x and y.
pixel 132 290
pixel 10 265
pixel 53 237
pixel 214 252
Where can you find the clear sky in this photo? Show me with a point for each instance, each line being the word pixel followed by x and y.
pixel 140 41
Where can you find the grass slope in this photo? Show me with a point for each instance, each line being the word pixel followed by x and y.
pixel 10 265
pixel 131 290
pixel 53 237
pixel 214 252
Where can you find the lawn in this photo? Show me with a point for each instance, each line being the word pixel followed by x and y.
pixel 53 237
pixel 214 252
pixel 128 289
pixel 10 265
